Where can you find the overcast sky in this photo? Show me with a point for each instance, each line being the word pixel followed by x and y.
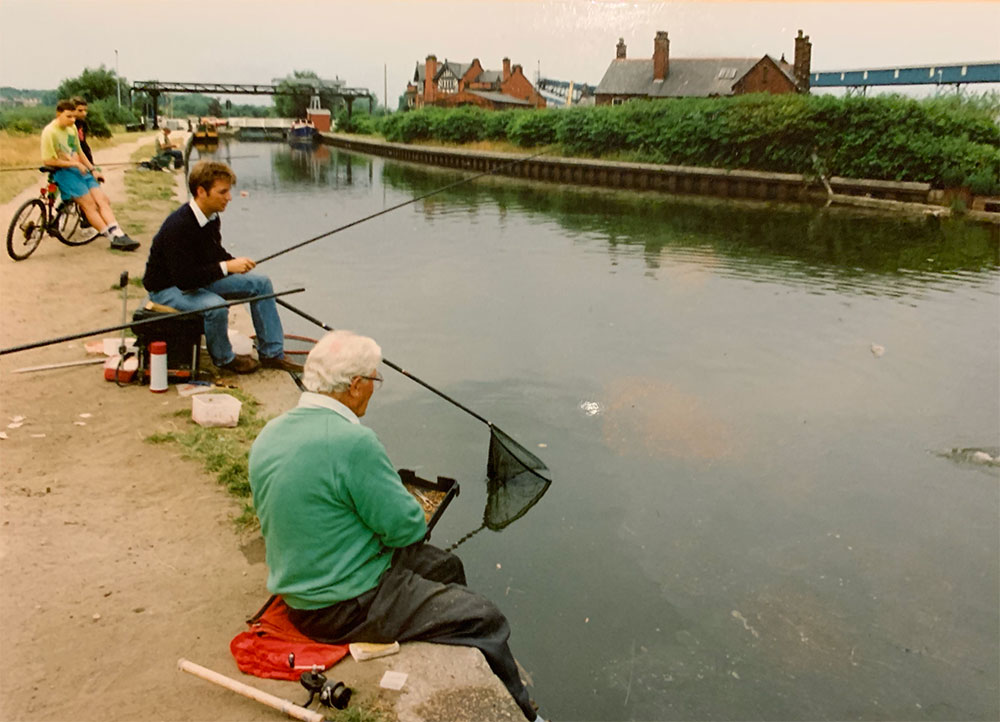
pixel 250 41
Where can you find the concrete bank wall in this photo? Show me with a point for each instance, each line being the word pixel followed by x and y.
pixel 638 176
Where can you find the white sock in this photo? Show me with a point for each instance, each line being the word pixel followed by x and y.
pixel 116 231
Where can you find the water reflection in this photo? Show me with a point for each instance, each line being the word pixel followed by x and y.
pixel 821 246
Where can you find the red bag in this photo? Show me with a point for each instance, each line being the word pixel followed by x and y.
pixel 274 649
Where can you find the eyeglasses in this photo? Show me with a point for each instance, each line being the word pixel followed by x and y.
pixel 376 379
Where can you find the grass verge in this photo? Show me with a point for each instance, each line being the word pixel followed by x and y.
pixel 223 452
pixel 150 197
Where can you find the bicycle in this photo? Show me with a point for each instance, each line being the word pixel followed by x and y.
pixel 42 215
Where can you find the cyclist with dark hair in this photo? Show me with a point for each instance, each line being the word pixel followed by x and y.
pixel 83 130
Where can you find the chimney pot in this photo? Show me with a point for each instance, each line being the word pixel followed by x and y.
pixel 661 55
pixel 803 61
pixel 620 49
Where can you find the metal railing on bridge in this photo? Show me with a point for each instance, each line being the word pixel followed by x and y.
pixel 950 74
pixel 293 87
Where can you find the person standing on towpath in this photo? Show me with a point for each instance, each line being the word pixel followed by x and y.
pixel 344 539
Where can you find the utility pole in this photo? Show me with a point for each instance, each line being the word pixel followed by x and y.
pixel 118 80
pixel 385 86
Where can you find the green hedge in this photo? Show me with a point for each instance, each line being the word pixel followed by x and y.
pixel 947 140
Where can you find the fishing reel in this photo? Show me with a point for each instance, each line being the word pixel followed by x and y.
pixel 331 694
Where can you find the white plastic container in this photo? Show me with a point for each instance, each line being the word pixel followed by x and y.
pixel 215 410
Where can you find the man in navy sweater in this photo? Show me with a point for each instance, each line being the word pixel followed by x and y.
pixel 188 269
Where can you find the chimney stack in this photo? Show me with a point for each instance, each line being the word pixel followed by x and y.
pixel 803 61
pixel 661 56
pixel 620 49
pixel 430 70
pixel 506 69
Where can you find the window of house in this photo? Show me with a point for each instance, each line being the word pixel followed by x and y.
pixel 727 73
pixel 448 83
pixel 617 101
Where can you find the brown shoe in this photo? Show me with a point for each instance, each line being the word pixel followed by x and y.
pixel 241 364
pixel 281 363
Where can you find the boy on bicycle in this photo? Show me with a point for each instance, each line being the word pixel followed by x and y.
pixel 60 149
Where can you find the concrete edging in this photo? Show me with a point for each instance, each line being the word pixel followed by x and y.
pixel 749 184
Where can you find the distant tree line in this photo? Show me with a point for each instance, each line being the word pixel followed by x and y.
pixel 948 140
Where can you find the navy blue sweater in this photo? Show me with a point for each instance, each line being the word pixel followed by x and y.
pixel 185 254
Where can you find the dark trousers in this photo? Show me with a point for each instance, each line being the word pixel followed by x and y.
pixel 421 597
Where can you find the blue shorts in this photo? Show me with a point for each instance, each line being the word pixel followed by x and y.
pixel 72 183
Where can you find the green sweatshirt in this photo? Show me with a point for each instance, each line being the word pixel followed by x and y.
pixel 330 504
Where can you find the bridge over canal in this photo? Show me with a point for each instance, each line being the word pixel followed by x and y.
pixel 291 86
pixel 956 74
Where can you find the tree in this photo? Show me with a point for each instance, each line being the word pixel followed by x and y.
pixel 92 84
pixel 99 87
pixel 295 104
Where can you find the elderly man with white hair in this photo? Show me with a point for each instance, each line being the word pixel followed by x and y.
pixel 343 537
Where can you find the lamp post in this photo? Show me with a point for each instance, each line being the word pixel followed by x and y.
pixel 118 80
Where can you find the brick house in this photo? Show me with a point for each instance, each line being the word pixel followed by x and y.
pixel 450 84
pixel 664 77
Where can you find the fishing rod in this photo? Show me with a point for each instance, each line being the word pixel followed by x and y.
pixel 387 362
pixel 145 322
pixel 399 205
pixel 116 163
pixel 509 463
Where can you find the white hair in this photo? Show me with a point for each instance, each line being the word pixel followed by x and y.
pixel 337 358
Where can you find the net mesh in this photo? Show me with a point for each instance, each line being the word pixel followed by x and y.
pixel 515 481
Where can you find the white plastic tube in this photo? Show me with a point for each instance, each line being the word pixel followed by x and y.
pixel 282 705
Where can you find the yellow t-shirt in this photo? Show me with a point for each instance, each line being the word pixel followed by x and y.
pixel 58 141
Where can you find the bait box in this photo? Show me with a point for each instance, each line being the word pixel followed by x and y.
pixel 443 486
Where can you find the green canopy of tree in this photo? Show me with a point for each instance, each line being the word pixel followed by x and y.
pixel 294 106
pixel 181 105
pixel 100 88
pixel 92 84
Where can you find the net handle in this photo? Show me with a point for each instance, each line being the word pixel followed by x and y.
pixel 393 366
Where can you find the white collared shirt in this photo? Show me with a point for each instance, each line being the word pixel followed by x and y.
pixel 203 220
pixel 199 215
pixel 312 400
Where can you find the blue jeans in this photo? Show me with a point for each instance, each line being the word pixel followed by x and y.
pixel 270 336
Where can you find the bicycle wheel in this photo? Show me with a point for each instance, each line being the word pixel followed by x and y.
pixel 66 226
pixel 26 229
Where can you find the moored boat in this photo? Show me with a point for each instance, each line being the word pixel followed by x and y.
pixel 302 131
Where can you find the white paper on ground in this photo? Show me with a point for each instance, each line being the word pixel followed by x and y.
pixel 241 343
pixel 393 680
pixel 110 345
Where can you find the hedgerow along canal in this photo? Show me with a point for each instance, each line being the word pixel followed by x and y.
pixel 749 413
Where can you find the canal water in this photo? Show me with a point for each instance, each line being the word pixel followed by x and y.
pixel 762 423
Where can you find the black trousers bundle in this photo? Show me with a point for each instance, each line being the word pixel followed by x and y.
pixel 422 597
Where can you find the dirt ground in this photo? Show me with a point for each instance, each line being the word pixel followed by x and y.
pixel 117 556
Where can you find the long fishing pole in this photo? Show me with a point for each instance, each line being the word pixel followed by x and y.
pixel 391 365
pixel 116 163
pixel 147 321
pixel 398 206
